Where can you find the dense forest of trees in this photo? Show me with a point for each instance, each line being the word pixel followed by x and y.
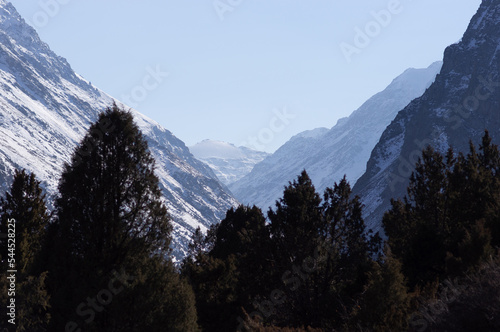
pixel 101 260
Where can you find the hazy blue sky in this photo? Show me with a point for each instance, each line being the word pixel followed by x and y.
pixel 251 72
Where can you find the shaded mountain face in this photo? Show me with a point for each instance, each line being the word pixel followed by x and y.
pixel 46 108
pixel 463 101
pixel 328 155
pixel 229 162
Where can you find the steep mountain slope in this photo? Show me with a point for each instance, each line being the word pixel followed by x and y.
pixel 463 102
pixel 329 154
pixel 230 163
pixel 45 109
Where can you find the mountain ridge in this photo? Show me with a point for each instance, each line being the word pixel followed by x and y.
pixel 46 108
pixel 328 154
pixel 461 103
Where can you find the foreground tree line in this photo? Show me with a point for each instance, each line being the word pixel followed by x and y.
pixel 101 260
pixel 315 266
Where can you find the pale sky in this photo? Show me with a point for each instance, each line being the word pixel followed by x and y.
pixel 248 72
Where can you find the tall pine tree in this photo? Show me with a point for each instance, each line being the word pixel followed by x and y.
pixel 110 242
pixel 347 250
pixel 321 254
pixel 296 222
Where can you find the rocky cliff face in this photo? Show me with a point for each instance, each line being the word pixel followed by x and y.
pixel 463 101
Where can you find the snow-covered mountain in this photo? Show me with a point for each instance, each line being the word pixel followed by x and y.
pixel 328 155
pixel 230 163
pixel 463 101
pixel 46 108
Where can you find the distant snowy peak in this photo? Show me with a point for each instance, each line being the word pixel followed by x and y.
pixel 230 163
pixel 216 149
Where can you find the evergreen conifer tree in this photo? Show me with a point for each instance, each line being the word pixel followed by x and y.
pixel 296 223
pixel 24 208
pixel 386 303
pixel 322 254
pixel 296 227
pixel 110 265
pixel 228 268
pixel 444 225
pixel 348 258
